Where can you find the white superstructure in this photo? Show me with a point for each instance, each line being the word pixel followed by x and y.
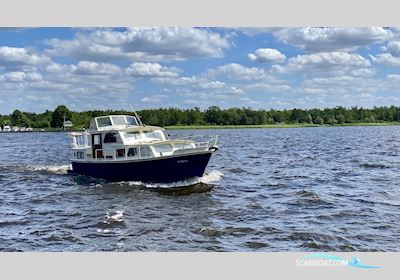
pixel 120 137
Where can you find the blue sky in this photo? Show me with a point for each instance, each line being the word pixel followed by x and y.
pixel 116 68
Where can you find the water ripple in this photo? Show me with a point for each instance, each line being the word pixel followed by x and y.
pixel 311 189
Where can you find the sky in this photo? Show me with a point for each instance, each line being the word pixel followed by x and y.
pixel 260 68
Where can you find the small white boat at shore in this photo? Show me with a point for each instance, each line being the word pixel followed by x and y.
pixel 6 128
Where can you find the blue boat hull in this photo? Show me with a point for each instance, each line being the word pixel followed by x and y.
pixel 157 170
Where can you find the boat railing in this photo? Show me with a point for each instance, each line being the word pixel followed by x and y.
pixel 208 144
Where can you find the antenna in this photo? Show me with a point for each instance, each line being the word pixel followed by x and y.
pixel 136 115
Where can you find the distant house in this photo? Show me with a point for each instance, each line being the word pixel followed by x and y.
pixel 67 124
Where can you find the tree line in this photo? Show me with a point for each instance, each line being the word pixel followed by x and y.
pixel 214 115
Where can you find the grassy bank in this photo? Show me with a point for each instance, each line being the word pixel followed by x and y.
pixel 300 125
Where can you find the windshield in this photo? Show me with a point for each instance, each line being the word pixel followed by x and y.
pixel 115 121
pixel 103 121
pixel 131 121
pixel 118 120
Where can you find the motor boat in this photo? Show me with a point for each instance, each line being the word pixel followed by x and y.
pixel 121 148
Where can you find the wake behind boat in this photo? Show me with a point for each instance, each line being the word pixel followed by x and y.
pixel 121 148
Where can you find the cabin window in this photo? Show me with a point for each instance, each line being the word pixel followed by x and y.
pixel 81 140
pixel 120 152
pixel 132 135
pixel 104 121
pixel 164 148
pixel 131 121
pixel 132 152
pixel 118 120
pixel 96 139
pixel 110 138
pixel 92 124
pixel 145 152
pixel 80 155
pixel 154 134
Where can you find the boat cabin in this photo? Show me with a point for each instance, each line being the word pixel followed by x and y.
pixel 124 138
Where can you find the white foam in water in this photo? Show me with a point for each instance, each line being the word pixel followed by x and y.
pixel 209 178
pixel 213 176
pixel 117 216
pixel 58 169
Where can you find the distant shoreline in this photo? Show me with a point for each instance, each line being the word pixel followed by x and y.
pixel 300 125
pixel 197 127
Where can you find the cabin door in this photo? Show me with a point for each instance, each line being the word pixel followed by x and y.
pixel 97 146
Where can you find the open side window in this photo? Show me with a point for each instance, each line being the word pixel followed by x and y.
pixel 132 152
pixel 110 138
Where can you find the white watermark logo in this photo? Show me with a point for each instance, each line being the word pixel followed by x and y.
pixel 330 260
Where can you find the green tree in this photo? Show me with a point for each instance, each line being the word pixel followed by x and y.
pixel 19 119
pixel 318 120
pixel 341 118
pixel 57 118
pixel 213 115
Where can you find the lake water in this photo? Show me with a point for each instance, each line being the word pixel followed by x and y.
pixel 306 189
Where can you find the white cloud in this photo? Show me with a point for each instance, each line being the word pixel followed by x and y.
pixel 20 77
pixel 352 91
pixel 269 87
pixel 14 58
pixel 324 63
pixel 267 55
pixel 393 77
pixel 237 71
pixel 150 100
pixel 363 72
pixel 143 69
pixel 333 39
pixel 145 44
pixel 85 85
pixel 212 84
pixel 30 80
pixel 387 58
pixel 177 81
pixel 201 82
pixel 248 101
pixel 394 48
pixel 93 68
